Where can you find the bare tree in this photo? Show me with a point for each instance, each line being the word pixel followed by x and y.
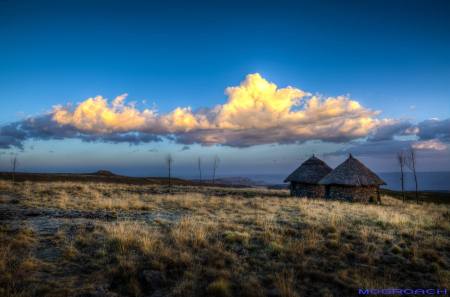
pixel 401 158
pixel 199 163
pixel 411 161
pixel 14 164
pixel 215 166
pixel 169 162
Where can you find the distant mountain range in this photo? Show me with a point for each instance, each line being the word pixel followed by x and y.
pixel 428 181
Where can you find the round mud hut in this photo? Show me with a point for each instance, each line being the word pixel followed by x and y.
pixel 352 181
pixel 304 181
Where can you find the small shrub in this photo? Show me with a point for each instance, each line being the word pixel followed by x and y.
pixel 431 255
pixel 276 247
pixel 396 249
pixel 219 288
pixel 124 278
pixel 251 287
pixel 332 244
pixel 285 284
pixel 70 252
pixel 407 253
pixel 329 229
pixel 236 237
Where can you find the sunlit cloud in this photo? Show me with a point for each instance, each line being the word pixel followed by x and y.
pixel 97 116
pixel 256 112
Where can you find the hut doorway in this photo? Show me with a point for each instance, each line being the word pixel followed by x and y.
pixel 327 191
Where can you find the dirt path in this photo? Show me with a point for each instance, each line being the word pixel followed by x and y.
pixel 49 251
pixel 12 210
pixel 46 222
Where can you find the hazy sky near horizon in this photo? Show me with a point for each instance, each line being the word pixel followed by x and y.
pixel 118 85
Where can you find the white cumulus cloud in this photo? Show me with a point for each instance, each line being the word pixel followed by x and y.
pixel 256 112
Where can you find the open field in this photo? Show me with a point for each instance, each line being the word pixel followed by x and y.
pixel 103 176
pixel 105 239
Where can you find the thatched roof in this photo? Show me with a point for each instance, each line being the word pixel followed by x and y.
pixel 310 172
pixel 352 173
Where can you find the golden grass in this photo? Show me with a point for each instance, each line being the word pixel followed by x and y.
pixel 132 235
pixel 202 244
pixel 285 283
pixel 16 261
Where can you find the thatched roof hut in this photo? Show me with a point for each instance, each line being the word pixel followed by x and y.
pixel 304 180
pixel 352 173
pixel 352 180
pixel 311 171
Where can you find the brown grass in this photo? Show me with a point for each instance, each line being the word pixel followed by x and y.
pixel 16 260
pixel 195 244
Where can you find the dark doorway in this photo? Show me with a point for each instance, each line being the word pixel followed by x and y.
pixel 327 192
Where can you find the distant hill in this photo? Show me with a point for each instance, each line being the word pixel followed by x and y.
pixel 98 176
pixel 104 173
pixel 106 176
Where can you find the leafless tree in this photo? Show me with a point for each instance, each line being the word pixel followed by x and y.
pixel 215 166
pixel 199 163
pixel 169 162
pixel 411 162
pixel 401 158
pixel 14 164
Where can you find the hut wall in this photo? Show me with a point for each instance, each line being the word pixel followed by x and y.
pixel 307 190
pixel 362 194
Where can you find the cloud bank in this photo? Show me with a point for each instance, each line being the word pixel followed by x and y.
pixel 256 112
pixel 433 144
pixel 430 137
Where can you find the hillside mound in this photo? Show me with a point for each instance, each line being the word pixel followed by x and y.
pixel 104 173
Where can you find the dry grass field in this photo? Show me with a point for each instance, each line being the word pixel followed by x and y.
pixel 103 239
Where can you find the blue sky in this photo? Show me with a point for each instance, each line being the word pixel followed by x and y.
pixel 392 56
